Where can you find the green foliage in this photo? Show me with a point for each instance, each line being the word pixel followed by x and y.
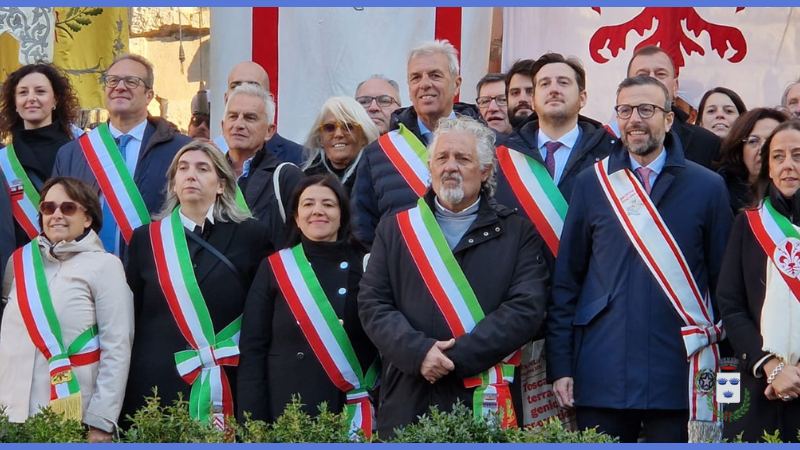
pixel 553 432
pixel 77 18
pixel 47 427
pixel 774 438
pixel 155 423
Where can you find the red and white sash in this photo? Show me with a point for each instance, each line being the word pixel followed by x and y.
pixel 24 198
pixel 115 180
pixel 658 249
pixel 409 156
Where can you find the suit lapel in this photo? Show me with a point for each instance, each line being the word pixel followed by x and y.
pixel 204 262
pixel 663 182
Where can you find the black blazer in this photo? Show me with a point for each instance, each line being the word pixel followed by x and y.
pixel 699 144
pixel 157 336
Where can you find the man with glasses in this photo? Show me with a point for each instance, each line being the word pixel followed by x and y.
pixel 635 282
pixel 201 116
pixel 380 97
pixel 144 146
pixel 492 102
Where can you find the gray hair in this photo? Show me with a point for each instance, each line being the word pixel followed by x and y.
pixel 255 91
pixel 442 46
pixel 150 78
pixel 225 207
pixel 485 140
pixel 646 81
pixel 786 92
pixel 490 78
pixel 391 82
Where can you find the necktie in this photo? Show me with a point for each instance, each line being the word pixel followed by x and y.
pixel 550 159
pixel 644 174
pixel 198 230
pixel 109 234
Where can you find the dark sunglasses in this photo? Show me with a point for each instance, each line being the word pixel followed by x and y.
pixel 330 128
pixel 67 208
pixel 199 120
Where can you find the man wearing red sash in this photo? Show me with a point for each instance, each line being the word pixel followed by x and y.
pixel 632 327
pixel 453 288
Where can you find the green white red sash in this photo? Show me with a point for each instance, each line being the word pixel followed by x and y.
pixel 456 300
pixel 44 329
pixel 536 192
pixel 210 397
pixel 24 198
pixel 409 156
pixel 780 241
pixel 241 201
pixel 115 180
pixel 660 252
pixel 325 334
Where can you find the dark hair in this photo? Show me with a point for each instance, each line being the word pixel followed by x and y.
pixel 648 51
pixel 521 66
pixel 761 186
pixel 737 102
pixel 553 58
pixel 293 232
pixel 646 81
pixel 67 104
pixel 732 147
pixel 489 78
pixel 80 192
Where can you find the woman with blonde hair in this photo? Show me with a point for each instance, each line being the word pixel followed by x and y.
pixel 337 138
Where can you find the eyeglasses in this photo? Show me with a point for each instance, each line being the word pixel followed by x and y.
pixel 645 110
pixel 753 141
pixel 131 82
pixel 483 102
pixel 199 120
pixel 67 208
pixel 384 101
pixel 347 127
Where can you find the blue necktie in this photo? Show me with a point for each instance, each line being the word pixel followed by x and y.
pixel 109 234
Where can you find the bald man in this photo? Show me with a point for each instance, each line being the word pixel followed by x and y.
pixel 249 72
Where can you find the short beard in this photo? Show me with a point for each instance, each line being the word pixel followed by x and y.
pixel 517 120
pixel 653 144
pixel 451 196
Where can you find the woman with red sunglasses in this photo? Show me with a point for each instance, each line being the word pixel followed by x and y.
pixel 67 327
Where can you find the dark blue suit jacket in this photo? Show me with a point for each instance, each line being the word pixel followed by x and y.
pixel 609 324
pixel 285 150
pixel 7 240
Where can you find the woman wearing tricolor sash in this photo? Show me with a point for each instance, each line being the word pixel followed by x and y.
pixel 301 334
pixel 67 329
pixel 759 293
pixel 190 272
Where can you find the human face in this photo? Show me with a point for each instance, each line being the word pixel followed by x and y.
pixel 380 115
pixel 341 147
pixel 196 180
pixel 556 95
pixel 456 174
pixel 35 100
pixel 431 86
pixel 520 98
pixel 793 101
pixel 657 66
pixel 318 214
pixel 198 127
pixel 59 227
pixel 784 161
pixel 643 137
pixel 123 102
pixel 496 116
pixel 245 125
pixel 751 153
pixel 719 113
pixel 247 72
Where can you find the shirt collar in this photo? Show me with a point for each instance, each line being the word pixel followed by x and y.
pixel 568 140
pixel 189 223
pixel 656 166
pixel 136 132
pixel 472 209
pixel 423 130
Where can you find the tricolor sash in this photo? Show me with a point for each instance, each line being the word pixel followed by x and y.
pixel 456 300
pixel 44 329
pixel 658 249
pixel 24 198
pixel 115 180
pixel 210 397
pixel 325 334
pixel 241 202
pixel 409 156
pixel 537 193
pixel 780 241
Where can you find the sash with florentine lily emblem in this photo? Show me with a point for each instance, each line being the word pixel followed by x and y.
pixel 115 180
pixel 458 304
pixel 325 333
pixel 661 254
pixel 780 241
pixel 210 397
pixel 409 156
pixel 537 193
pixel 44 329
pixel 24 198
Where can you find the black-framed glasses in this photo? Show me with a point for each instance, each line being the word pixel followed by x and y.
pixel 384 101
pixel 67 208
pixel 753 141
pixel 645 110
pixel 200 119
pixel 347 127
pixel 131 82
pixel 483 102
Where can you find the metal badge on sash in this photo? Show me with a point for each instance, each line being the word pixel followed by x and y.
pixel 16 190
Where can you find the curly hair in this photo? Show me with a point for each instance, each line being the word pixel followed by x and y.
pixel 67 104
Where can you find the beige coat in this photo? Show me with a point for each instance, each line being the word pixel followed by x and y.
pixel 87 286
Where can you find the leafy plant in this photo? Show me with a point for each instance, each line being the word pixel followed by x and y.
pixel 154 423
pixel 46 427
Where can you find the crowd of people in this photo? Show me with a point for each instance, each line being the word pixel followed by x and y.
pixel 402 257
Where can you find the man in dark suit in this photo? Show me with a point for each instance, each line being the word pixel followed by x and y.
pixel 699 145
pixel 614 338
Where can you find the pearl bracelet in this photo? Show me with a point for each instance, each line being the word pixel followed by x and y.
pixel 774 373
